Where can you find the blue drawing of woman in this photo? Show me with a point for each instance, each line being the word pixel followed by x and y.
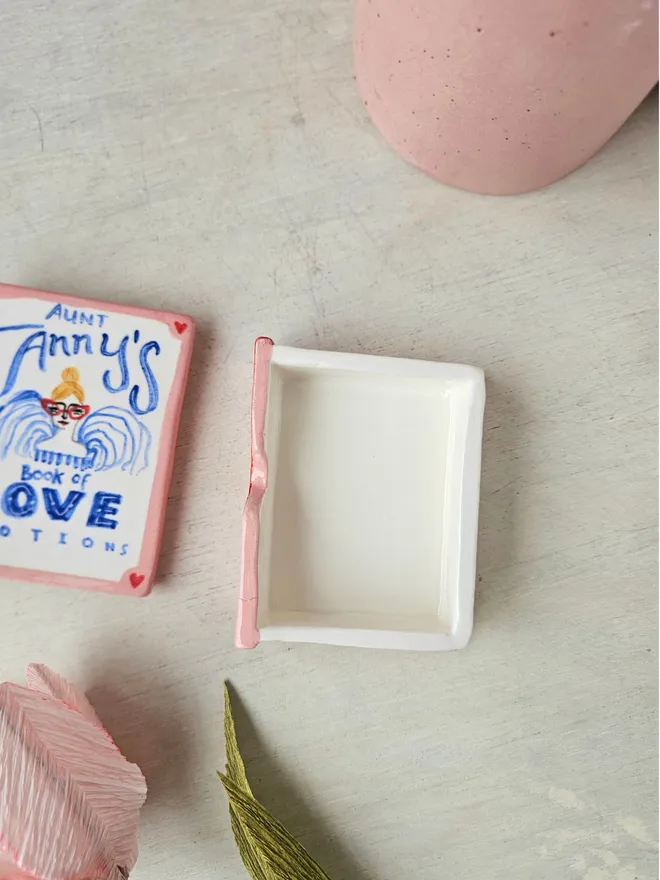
pixel 65 407
pixel 62 430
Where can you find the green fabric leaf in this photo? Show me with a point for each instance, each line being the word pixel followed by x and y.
pixel 235 765
pixel 268 851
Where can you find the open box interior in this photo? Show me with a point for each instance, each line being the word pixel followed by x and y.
pixel 363 505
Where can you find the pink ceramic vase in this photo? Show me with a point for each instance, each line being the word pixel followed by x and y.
pixel 503 97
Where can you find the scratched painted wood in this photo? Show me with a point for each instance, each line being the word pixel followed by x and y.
pixel 214 159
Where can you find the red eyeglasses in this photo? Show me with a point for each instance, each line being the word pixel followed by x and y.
pixel 74 411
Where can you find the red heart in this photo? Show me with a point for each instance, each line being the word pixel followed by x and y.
pixel 180 326
pixel 136 579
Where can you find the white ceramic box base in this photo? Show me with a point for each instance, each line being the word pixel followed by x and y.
pixel 368 523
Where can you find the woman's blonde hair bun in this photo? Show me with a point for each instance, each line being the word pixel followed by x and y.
pixel 69 386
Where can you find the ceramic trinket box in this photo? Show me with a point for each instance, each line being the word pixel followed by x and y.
pixel 360 526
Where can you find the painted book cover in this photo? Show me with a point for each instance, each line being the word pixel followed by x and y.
pixel 90 400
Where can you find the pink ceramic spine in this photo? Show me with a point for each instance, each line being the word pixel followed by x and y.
pixel 247 631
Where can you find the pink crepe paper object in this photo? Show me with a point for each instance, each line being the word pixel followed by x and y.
pixel 69 800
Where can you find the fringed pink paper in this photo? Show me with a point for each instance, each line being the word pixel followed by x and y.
pixel 69 800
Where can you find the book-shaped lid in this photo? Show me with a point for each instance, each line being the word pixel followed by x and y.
pixel 90 400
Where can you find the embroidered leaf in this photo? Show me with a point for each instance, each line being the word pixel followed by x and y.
pixel 268 851
pixel 69 801
pixel 42 679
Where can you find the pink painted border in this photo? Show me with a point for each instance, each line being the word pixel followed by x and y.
pixel 247 632
pixel 153 531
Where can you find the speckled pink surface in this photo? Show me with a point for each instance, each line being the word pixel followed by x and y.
pixel 503 97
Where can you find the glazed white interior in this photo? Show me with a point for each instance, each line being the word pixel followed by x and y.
pixel 354 527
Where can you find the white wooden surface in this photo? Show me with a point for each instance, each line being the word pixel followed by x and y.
pixel 213 157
